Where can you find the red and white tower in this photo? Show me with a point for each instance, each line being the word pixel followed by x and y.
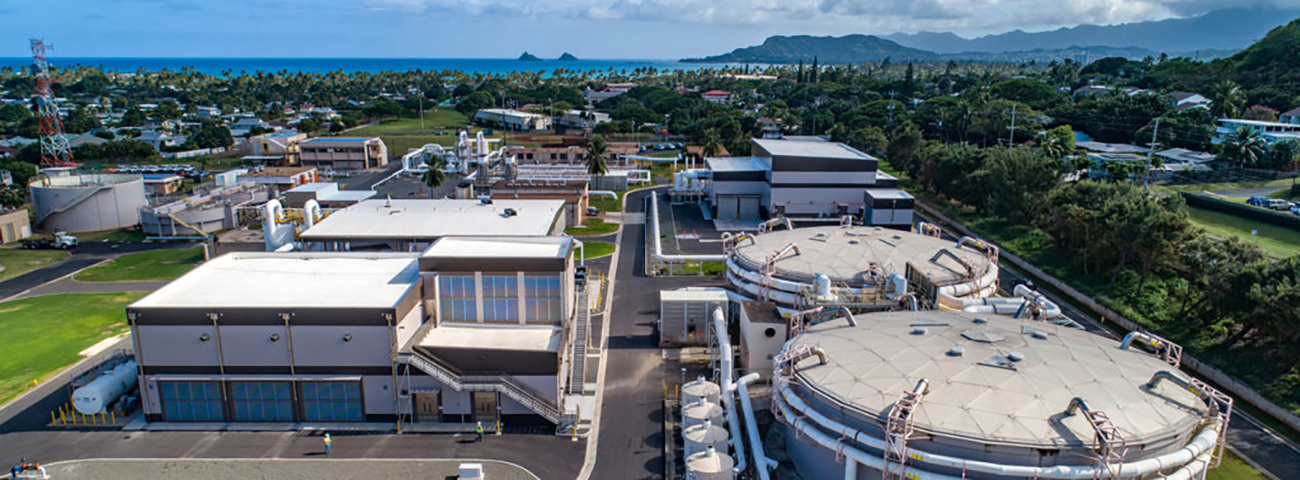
pixel 55 152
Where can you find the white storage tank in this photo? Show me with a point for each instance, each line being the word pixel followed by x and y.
pixel 699 412
pixel 703 437
pixel 700 388
pixel 92 398
pixel 709 465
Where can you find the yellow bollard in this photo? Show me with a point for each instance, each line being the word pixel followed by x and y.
pixel 52 420
pixel 62 418
pixel 498 427
pixel 113 415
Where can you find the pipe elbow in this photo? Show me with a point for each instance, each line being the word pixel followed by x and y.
pixel 821 356
pixel 1076 404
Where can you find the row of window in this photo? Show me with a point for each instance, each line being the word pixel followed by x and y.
pixel 260 401
pixel 459 297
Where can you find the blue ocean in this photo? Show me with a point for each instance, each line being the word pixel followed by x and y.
pixel 234 66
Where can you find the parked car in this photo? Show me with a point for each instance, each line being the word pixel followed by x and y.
pixel 1257 201
pixel 1277 204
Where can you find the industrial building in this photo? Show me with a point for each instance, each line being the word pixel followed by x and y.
pixel 326 194
pixel 412 225
pixel 574 193
pixel 14 225
pixel 343 153
pixel 205 211
pixel 280 148
pixel 799 177
pixel 472 329
pixel 282 179
pixel 949 395
pixel 88 202
pixel 510 119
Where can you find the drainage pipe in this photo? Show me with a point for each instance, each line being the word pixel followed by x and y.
pixel 728 401
pixel 761 463
pixel 1140 337
pixel 603 193
pixel 658 250
pixel 1204 441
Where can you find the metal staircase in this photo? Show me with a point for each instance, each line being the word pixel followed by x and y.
pixel 578 353
pixel 898 428
pixel 500 383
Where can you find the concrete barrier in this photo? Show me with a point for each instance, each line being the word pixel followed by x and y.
pixel 1204 370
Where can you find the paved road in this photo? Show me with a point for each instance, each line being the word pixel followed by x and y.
pixel 277 469
pixel 366 180
pixel 1251 439
pixel 630 442
pixel 84 256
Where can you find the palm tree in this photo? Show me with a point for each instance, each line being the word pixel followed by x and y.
pixel 433 177
pixel 712 144
pixel 1229 99
pixel 596 152
pixel 1246 148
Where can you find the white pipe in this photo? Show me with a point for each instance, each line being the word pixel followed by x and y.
pixel 310 210
pixel 729 403
pixel 1048 308
pixel 603 193
pixel 1204 441
pixel 850 469
pixel 1194 470
pixel 658 250
pixel 761 463
pixel 1140 337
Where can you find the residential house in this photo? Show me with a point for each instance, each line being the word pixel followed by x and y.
pixel 609 90
pixel 278 147
pixel 1185 100
pixel 245 125
pixel 159 139
pixel 1182 160
pixel 1271 132
pixel 771 128
pixel 1290 116
pixel 716 96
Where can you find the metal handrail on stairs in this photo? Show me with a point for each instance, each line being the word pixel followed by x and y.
pixel 500 383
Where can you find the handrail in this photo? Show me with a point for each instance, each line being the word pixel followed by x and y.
pixel 499 382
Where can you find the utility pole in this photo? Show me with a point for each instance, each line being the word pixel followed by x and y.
pixel 1150 153
pixel 421 113
pixel 1011 142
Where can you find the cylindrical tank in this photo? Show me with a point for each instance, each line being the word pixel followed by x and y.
pixel 709 465
pixel 699 412
pixel 823 285
pixel 703 437
pixel 700 388
pixel 680 181
pixel 93 397
pixel 465 191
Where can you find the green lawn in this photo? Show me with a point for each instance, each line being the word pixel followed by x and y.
pixel 710 267
pixel 44 334
pixel 606 204
pixel 434 120
pixel 1210 187
pixel 595 226
pixel 121 235
pixel 593 249
pixel 1280 241
pixel 1234 468
pixel 145 266
pixel 18 261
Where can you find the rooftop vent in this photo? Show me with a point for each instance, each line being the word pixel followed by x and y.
pixel 1015 356
pixel 980 320
pixel 956 351
pixel 510 212
pixel 983 335
pixel 919 331
pixel 485 200
pixel 1036 333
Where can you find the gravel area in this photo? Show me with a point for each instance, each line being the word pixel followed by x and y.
pixel 276 469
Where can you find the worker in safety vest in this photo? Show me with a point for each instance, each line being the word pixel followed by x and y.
pixel 328 441
pixel 479 430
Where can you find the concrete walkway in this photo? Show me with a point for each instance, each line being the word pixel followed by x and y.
pixel 68 285
pixel 278 469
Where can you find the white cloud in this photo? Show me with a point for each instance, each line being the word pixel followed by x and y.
pixel 838 16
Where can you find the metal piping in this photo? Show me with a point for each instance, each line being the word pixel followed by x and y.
pixel 1138 336
pixel 658 248
pixel 812 352
pixel 761 463
pixel 793 408
pixel 603 193
pixel 1076 404
pixel 728 403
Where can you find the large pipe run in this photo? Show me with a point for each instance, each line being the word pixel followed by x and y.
pixel 728 388
pixel 761 463
pixel 799 414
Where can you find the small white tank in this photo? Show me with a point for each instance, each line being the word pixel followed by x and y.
pixel 709 465
pixel 699 412
pixel 700 388
pixel 823 286
pixel 703 437
pixel 92 398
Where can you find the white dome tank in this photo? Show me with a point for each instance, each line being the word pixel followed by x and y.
pixel 700 388
pixel 699 412
pixel 709 465
pixel 93 397
pixel 703 437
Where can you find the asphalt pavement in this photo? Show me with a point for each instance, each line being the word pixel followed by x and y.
pixel 83 256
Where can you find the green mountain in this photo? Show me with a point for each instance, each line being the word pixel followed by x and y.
pixel 568 57
pixel 1269 70
pixel 827 50
pixel 528 57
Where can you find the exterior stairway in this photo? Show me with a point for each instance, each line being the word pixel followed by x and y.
pixel 581 335
pixel 500 383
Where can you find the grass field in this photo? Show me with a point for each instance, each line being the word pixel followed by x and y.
pixel 437 119
pixel 121 235
pixel 144 266
pixel 1280 241
pixel 594 249
pixel 1234 468
pixel 44 334
pixel 606 204
pixel 18 261
pixel 595 226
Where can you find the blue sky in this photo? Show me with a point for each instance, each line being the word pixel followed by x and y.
pixel 504 28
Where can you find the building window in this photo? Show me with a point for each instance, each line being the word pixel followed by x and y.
pixel 456 298
pixel 262 401
pixel 191 401
pixel 331 401
pixel 500 299
pixel 543 299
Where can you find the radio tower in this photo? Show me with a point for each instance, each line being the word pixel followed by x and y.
pixel 55 152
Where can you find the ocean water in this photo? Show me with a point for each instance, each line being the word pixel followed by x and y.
pixel 233 66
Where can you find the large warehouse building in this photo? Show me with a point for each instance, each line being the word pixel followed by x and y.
pixel 473 329
pixel 806 177
pixel 950 395
pixel 412 225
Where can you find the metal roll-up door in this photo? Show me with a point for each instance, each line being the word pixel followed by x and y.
pixel 728 207
pixel 749 208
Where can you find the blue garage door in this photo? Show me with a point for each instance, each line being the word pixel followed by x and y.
pixel 331 401
pixel 191 401
pixel 262 401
